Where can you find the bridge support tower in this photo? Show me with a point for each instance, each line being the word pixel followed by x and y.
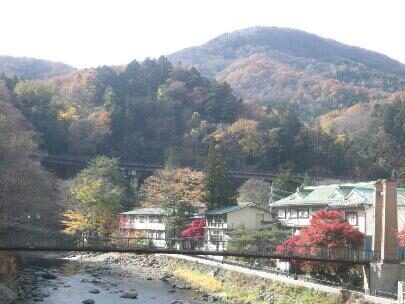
pixel 383 276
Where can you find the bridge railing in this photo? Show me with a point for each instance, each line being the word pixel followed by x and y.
pixel 186 245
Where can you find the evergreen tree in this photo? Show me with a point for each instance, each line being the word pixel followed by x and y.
pixel 401 177
pixel 284 185
pixel 172 161
pixel 219 191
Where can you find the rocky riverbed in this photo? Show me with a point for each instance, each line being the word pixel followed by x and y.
pixel 97 279
pixel 146 267
pixel 129 278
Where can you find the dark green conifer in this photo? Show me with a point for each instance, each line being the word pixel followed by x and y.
pixel 218 188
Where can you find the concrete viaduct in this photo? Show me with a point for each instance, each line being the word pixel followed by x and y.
pixel 137 171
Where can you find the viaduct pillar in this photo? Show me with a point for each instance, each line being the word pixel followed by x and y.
pixel 133 177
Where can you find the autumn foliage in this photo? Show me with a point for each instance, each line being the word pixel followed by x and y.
pixel 195 229
pixel 401 237
pixel 327 229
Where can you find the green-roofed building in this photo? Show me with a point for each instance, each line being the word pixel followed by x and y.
pixel 354 200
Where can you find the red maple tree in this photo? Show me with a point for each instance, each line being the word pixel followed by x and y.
pixel 401 237
pixel 327 229
pixel 123 221
pixel 195 229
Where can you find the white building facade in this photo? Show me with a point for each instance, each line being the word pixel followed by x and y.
pixel 148 223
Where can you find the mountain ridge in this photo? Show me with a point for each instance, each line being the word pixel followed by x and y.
pixel 270 65
pixel 279 36
pixel 32 68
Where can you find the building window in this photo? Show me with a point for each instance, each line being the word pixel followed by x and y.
pixel 216 221
pixel 351 218
pixel 303 213
pixel 155 219
pixel 156 234
pixel 217 236
pixel 292 213
pixel 281 213
pixel 142 219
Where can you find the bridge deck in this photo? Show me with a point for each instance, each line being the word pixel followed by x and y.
pixel 23 242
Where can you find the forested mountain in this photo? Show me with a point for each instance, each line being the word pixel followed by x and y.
pixel 310 104
pixel 31 68
pixel 27 191
pixel 276 65
pixel 152 108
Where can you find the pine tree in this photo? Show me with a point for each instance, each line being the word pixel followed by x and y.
pixel 284 185
pixel 172 161
pixel 218 189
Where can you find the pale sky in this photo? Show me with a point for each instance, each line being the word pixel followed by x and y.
pixel 87 33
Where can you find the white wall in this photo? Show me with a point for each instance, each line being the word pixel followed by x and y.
pixel 144 223
pixel 401 217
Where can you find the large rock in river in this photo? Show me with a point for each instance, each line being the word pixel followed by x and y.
pixel 129 295
pixel 48 276
pixel 95 290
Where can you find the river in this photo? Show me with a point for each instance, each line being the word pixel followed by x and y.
pixel 75 279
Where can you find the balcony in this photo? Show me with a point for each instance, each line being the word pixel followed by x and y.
pixel 217 225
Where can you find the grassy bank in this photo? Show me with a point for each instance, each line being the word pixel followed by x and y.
pixel 233 287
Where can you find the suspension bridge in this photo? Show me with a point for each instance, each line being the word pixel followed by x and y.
pixel 22 238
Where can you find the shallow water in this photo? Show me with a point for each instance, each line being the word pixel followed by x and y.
pixel 73 284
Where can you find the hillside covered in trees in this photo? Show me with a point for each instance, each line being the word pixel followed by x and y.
pixel 307 118
pixel 271 65
pixel 31 68
pixel 151 108
pixel 27 191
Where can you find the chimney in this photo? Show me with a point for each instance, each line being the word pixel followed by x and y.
pixel 378 205
pixel 389 222
pixel 389 242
